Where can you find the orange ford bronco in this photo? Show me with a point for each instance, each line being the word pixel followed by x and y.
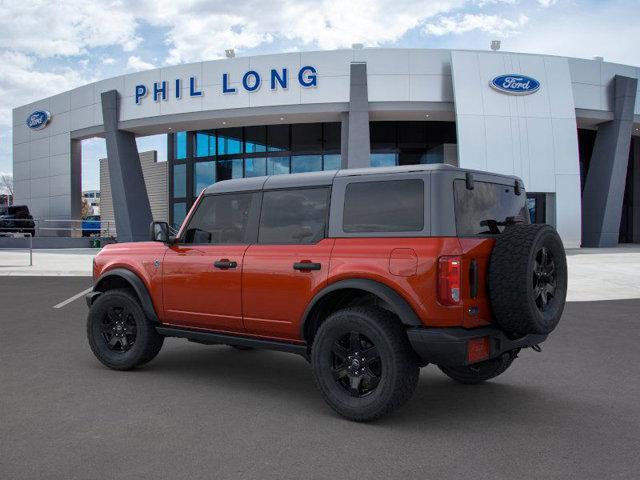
pixel 369 274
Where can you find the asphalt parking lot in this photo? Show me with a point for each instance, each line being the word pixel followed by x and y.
pixel 572 411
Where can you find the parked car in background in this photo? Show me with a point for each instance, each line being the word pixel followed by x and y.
pixel 91 225
pixel 17 219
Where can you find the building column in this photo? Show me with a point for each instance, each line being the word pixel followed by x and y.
pixel 604 187
pixel 355 144
pixel 636 190
pixel 128 191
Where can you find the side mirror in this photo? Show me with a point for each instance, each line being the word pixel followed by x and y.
pixel 159 232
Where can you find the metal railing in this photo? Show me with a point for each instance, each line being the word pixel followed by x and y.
pixel 59 228
pixel 22 235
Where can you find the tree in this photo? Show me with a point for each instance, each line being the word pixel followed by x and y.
pixel 6 187
pixel 86 208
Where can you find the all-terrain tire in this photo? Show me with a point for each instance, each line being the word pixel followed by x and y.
pixel 518 273
pixel 396 364
pixel 480 372
pixel 120 306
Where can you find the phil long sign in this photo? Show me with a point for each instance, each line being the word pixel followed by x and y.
pixel 250 81
pixel 515 84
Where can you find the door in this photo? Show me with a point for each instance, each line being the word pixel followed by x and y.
pixel 289 263
pixel 202 270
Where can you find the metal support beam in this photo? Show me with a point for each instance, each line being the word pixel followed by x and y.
pixel 130 201
pixel 358 148
pixel 636 190
pixel 344 140
pixel 604 187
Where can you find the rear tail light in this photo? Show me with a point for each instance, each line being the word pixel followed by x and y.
pixel 478 349
pixel 449 280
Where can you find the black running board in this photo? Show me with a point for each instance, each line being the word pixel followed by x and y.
pixel 211 338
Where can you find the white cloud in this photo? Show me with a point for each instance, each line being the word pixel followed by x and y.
pixel 203 30
pixel 547 3
pixel 589 37
pixel 491 24
pixel 484 3
pixel 21 83
pixel 135 63
pixel 46 29
pixel 108 61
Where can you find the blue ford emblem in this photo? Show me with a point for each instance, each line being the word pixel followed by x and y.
pixel 515 84
pixel 38 119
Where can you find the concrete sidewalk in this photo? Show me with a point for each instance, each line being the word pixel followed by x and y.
pixel 594 274
pixel 604 273
pixel 63 262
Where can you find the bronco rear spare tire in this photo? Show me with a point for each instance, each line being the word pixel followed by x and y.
pixel 528 279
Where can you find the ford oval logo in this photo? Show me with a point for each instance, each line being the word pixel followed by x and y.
pixel 515 84
pixel 38 119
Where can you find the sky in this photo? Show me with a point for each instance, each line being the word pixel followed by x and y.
pixel 48 47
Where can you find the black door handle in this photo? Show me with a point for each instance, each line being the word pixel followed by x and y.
pixel 306 266
pixel 224 264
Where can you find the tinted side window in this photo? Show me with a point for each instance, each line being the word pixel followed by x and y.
pixel 296 216
pixel 485 209
pixel 385 206
pixel 220 219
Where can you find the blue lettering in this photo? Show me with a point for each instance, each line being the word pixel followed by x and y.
pixel 141 91
pixel 225 84
pixel 275 77
pixel 157 90
pixel 256 81
pixel 192 88
pixel 178 91
pixel 311 79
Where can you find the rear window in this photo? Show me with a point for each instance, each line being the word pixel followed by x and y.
pixel 385 206
pixel 485 209
pixel 20 210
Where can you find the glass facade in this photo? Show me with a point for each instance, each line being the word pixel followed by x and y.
pixel 409 143
pixel 201 158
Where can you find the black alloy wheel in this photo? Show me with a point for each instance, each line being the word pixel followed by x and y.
pixel 363 363
pixel 544 279
pixel 119 333
pixel 119 329
pixel 356 364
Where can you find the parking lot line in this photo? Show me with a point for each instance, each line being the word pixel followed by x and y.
pixel 71 299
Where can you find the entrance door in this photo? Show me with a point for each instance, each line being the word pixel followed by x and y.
pixel 202 271
pixel 290 262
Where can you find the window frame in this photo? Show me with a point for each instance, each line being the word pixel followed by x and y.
pixel 338 197
pixel 251 233
pixel 325 232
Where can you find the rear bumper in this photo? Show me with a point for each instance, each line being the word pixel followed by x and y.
pixel 448 346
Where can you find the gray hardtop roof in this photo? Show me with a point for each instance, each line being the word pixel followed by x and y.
pixel 325 178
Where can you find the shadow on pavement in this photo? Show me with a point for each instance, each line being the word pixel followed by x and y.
pixel 437 403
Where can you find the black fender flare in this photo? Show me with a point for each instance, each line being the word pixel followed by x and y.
pixel 136 284
pixel 399 305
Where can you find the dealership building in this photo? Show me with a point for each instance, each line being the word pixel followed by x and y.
pixel 568 127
